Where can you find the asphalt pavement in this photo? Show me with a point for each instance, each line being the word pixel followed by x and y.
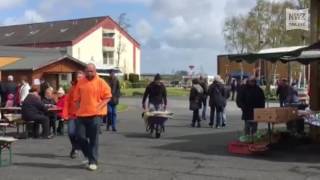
pixel 182 153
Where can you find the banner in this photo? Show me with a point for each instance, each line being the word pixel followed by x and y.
pixel 297 19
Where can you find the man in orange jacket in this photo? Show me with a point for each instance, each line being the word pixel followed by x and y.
pixel 92 95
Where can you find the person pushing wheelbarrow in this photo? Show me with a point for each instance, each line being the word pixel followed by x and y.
pixel 156 94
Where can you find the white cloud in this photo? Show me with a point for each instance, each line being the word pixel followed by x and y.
pixel 8 4
pixel 54 8
pixel 29 16
pixel 129 1
pixel 144 30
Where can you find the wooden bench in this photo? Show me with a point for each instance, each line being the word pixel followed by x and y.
pixel 25 128
pixel 6 145
pixel 3 127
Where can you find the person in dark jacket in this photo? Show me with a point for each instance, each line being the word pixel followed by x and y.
pixel 251 96
pixel 49 102
pixel 204 85
pixel 233 88
pixel 293 95
pixel 112 105
pixel 282 91
pixel 43 87
pixel 8 89
pixel 195 99
pixel 217 102
pixel 157 94
pixel 34 110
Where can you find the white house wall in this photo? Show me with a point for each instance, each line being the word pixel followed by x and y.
pixel 138 60
pixel 126 58
pixel 89 49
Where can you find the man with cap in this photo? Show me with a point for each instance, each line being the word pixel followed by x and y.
pixel 157 94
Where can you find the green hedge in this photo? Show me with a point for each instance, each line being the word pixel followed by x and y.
pixel 134 78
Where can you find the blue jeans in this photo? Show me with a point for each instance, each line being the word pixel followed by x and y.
pixel 219 118
pixel 112 115
pixel 88 134
pixel 72 133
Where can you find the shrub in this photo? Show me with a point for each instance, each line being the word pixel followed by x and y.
pixel 133 78
pixel 140 84
pixel 137 93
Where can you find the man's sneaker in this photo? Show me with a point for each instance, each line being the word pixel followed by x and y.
pixel 92 167
pixel 73 154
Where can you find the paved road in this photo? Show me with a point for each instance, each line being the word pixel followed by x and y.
pixel 182 153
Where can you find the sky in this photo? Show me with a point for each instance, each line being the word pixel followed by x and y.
pixel 173 34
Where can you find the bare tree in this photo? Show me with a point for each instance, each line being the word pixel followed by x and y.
pixel 124 24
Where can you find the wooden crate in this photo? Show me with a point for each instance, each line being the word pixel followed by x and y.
pixel 275 114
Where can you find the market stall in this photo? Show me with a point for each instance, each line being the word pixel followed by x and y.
pixel 273 116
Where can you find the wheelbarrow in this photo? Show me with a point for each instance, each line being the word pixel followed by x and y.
pixel 155 122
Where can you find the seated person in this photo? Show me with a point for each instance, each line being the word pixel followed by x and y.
pixel 34 110
pixel 49 102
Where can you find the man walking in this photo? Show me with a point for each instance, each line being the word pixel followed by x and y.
pixel 157 94
pixel 92 95
pixel 112 105
pixel 282 92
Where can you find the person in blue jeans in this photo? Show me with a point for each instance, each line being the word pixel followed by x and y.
pixel 92 95
pixel 112 105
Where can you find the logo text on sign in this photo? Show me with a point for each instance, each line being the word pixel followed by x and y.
pixel 297 19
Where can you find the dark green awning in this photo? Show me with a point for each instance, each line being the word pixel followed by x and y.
pixel 270 56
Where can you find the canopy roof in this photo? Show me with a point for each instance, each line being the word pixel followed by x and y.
pixel 273 55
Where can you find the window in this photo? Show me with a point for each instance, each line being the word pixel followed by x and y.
pixel 64 30
pixel 108 57
pixel 64 77
pixel 34 32
pixel 108 35
pixel 9 34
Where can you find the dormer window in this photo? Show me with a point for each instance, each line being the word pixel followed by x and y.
pixel 64 30
pixel 9 34
pixel 108 35
pixel 34 32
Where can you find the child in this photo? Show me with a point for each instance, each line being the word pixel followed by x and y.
pixel 10 100
pixel 60 104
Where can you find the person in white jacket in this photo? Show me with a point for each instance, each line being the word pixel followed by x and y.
pixel 24 89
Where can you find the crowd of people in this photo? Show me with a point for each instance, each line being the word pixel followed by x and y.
pixel 91 100
pixel 88 102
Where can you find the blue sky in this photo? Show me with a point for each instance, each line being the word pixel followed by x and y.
pixel 174 33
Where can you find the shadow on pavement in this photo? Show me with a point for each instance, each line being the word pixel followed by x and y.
pixel 49 166
pixel 37 155
pixel 137 135
pixel 217 144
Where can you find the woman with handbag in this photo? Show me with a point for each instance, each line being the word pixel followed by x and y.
pixel 195 99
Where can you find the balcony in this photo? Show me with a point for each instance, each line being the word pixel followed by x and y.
pixel 108 42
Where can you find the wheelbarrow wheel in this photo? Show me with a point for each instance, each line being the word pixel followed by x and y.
pixel 158 135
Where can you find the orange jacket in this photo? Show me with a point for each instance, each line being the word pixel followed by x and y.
pixel 70 107
pixel 89 95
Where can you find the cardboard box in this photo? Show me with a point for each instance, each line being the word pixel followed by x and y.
pixel 275 114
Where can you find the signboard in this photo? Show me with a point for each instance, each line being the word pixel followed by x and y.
pixel 297 19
